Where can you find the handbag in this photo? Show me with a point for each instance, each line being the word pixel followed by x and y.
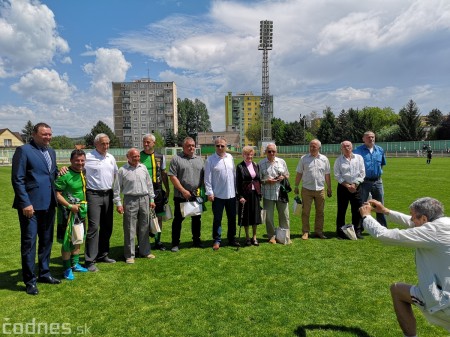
pixel 283 235
pixel 77 231
pixel 190 208
pixel 154 224
pixel 167 213
pixel 297 206
pixel 263 216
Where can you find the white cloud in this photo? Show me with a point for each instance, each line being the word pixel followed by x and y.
pixel 12 116
pixel 44 86
pixel 109 66
pixel 28 37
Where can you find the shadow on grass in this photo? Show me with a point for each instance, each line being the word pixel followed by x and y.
pixel 11 280
pixel 301 330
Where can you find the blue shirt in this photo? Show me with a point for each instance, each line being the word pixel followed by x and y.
pixel 373 161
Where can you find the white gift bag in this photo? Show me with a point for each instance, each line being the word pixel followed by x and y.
pixel 154 224
pixel 78 233
pixel 190 208
pixel 283 235
pixel 167 213
pixel 349 231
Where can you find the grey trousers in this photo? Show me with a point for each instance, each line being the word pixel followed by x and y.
pixel 283 216
pixel 136 222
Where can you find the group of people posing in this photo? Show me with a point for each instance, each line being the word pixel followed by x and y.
pixel 93 184
pixel 90 188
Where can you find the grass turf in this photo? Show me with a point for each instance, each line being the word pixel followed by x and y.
pixel 310 288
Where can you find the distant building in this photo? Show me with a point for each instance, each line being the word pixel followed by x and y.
pixel 242 111
pixel 142 107
pixel 10 139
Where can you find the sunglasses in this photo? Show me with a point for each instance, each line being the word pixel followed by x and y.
pixel 221 146
pixel 271 151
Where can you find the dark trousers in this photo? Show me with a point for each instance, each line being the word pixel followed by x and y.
pixel 230 208
pixel 343 198
pixel 178 220
pixel 100 224
pixel 376 189
pixel 40 225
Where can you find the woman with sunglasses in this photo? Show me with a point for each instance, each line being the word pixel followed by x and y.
pixel 248 188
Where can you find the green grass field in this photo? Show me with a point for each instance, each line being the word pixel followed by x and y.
pixel 310 288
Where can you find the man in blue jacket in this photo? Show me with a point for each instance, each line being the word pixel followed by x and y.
pixel 33 178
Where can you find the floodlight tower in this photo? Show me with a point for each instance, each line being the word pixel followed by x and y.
pixel 265 44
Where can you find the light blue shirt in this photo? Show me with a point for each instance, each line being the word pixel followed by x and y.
pixel 220 176
pixel 373 161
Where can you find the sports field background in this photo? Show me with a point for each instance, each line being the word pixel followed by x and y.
pixel 310 288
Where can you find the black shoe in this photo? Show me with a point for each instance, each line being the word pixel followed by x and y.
pixel 198 244
pixel 160 246
pixel 49 280
pixel 359 236
pixel 106 259
pixel 248 242
pixel 234 243
pixel 32 289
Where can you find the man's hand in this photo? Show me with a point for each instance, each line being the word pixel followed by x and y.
pixel 28 211
pixel 75 208
pixel 63 170
pixel 211 197
pixel 120 209
pixel 378 206
pixel 329 192
pixel 365 209
pixel 152 205
pixel 186 194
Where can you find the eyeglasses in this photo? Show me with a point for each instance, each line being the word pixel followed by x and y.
pixel 271 151
pixel 221 146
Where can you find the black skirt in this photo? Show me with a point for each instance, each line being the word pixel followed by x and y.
pixel 251 214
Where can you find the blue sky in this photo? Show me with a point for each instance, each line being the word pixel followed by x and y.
pixel 58 58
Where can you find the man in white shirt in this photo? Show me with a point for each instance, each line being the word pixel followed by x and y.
pixel 429 234
pixel 314 169
pixel 220 187
pixel 101 175
pixel 349 172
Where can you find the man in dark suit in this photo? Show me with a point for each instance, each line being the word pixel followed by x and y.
pixel 33 176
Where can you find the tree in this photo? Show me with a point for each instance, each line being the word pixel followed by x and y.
pixel 159 139
pixel 278 126
pixel 375 118
pixel 435 117
pixel 170 139
pixel 293 134
pixel 193 117
pixel 27 131
pixel 253 133
pixel 101 127
pixel 443 130
pixel 62 142
pixel 410 127
pixel 327 127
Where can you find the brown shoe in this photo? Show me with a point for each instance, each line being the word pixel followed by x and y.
pixel 150 256
pixel 321 236
pixel 305 236
pixel 216 246
pixel 273 241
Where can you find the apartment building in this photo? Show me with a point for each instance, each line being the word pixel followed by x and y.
pixel 143 106
pixel 242 110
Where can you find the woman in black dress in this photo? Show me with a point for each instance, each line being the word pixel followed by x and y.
pixel 248 187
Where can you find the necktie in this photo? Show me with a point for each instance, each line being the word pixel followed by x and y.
pixel 47 158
